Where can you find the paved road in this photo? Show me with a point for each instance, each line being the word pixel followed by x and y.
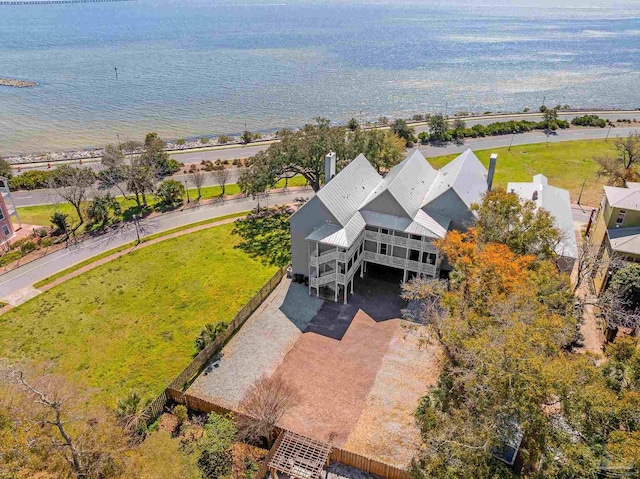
pixel 44 267
pixel 47 196
pixel 37 197
pixel 234 152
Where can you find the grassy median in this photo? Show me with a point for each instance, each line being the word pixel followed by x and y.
pixel 41 214
pixel 130 324
pixel 566 164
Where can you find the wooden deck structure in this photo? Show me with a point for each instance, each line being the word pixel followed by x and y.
pixel 299 457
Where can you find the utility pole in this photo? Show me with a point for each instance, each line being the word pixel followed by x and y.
pixel 607 138
pixel 136 219
pixel 512 137
pixel 186 187
pixel 581 190
pixel 116 69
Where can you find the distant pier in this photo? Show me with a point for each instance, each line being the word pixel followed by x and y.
pixel 54 2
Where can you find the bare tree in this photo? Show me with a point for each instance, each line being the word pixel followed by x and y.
pixel 141 178
pixel 74 185
pixel 197 178
pixel 622 168
pixel 263 406
pixel 52 431
pixel 221 176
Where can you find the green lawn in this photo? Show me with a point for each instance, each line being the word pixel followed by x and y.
pixel 41 214
pixel 566 164
pixel 131 323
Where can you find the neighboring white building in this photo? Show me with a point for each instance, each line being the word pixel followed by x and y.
pixel 360 218
pixel 558 203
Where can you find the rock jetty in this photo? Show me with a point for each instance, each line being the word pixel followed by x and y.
pixel 16 83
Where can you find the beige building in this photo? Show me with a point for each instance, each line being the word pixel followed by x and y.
pixel 616 228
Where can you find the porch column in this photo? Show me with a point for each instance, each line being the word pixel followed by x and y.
pixel 318 270
pixel 351 285
pixel 362 268
pixel 404 276
pixel 309 265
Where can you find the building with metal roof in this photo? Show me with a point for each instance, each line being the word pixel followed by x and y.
pixel 616 229
pixel 558 203
pixel 361 218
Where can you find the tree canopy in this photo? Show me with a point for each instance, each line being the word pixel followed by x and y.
pixel 516 222
pixel 303 152
pixel 506 324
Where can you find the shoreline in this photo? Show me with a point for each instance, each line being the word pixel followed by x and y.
pixel 234 141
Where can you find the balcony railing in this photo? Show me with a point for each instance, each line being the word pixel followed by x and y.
pixel 400 262
pixel 424 245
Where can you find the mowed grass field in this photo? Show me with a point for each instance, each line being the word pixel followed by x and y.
pixel 130 324
pixel 566 164
pixel 41 214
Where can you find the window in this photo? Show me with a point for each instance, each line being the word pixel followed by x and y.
pixel 429 258
pixel 383 248
pixel 1 214
pixel 414 255
pixel 349 265
pixel 5 230
pixel 384 231
pixel 341 268
pixel 416 237
pixel 620 218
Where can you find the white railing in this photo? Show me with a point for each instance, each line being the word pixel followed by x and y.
pixel 313 261
pixel 400 262
pixel 423 245
pixel 326 279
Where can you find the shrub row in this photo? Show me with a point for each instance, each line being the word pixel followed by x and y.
pixel 31 180
pixel 589 120
pixel 493 129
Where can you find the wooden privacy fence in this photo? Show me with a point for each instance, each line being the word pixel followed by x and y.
pixel 368 465
pixel 189 373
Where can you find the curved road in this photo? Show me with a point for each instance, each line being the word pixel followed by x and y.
pixel 37 197
pixel 25 276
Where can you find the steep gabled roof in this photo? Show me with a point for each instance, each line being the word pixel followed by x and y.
pixel 558 203
pixel 465 175
pixel 407 182
pixel 346 191
pixel 627 198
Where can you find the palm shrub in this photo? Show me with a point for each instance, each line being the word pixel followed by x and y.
pixel 209 334
pixel 170 193
pixel 131 413
pixel 60 222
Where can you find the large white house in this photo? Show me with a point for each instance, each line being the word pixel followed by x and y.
pixel 360 218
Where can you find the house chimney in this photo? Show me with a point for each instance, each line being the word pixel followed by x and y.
pixel 329 167
pixel 492 170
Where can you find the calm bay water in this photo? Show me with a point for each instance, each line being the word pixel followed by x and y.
pixel 193 67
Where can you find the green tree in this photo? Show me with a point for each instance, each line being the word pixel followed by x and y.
pixel 246 137
pixel 439 128
pixel 60 222
pixel 353 124
pixel 265 233
pixel 382 148
pixel 518 223
pixel 5 168
pixel 156 156
pixel 74 186
pixel 401 129
pixel 298 153
pixel 170 193
pixel 215 460
pixel 627 282
pixel 550 119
